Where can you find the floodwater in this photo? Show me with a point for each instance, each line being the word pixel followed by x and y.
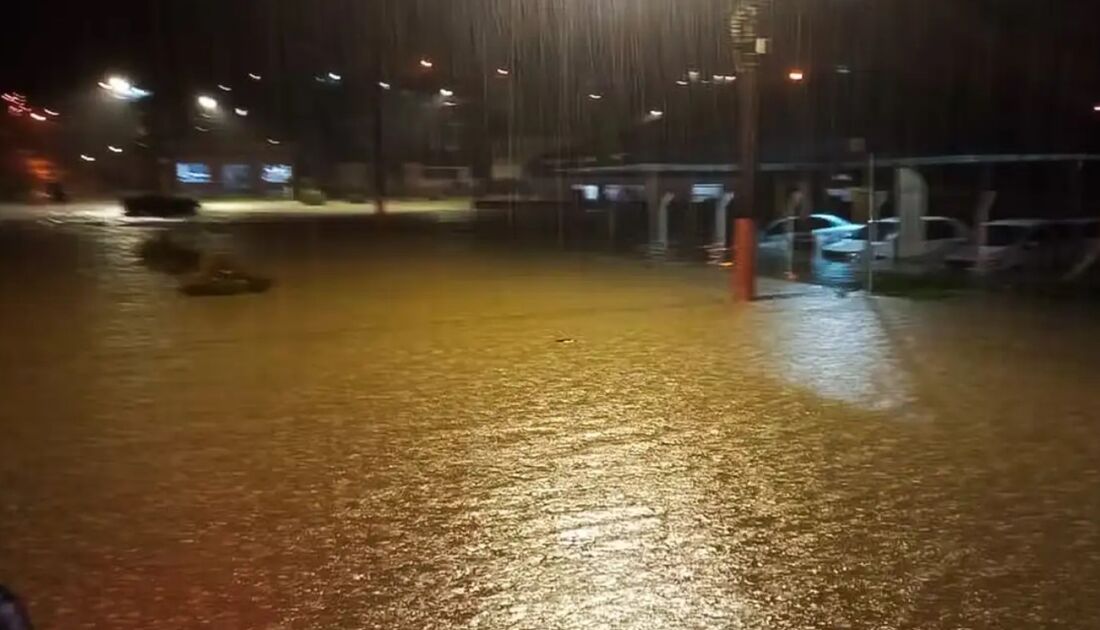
pixel 415 429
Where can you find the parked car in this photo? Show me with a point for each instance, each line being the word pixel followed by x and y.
pixel 1009 245
pixel 1077 238
pixel 942 236
pixel 805 233
pixel 157 205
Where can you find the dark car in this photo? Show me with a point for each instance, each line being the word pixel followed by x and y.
pixel 164 206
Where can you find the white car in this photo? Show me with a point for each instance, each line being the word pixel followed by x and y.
pixel 1008 245
pixel 805 233
pixel 942 236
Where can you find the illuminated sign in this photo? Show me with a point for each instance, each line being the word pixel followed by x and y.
pixel 277 173
pixel 192 173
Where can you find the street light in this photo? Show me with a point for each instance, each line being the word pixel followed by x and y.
pixel 426 63
pixel 119 85
pixel 114 149
pixel 334 77
pixel 595 97
pixel 446 93
pixel 38 117
pixel 796 75
pixel 384 85
pixel 254 77
pixel 50 112
pixel 240 111
pixel 224 88
pixel 123 89
pixel 503 72
pixel 87 158
pixel 273 141
pixel 208 103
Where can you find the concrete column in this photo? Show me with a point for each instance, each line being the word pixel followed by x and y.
pixel 657 208
pixel 612 228
pixel 716 253
pixel 912 205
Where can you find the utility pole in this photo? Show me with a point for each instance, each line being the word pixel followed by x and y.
pixel 748 46
pixel 379 111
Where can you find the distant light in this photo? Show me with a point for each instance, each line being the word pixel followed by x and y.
pixel 334 76
pixel 1096 108
pixel 796 75
pixel 503 72
pixel 50 112
pixel 843 69
pixel 224 88
pixel 656 113
pixel 426 63
pixel 595 96
pixel 87 158
pixel 446 92
pixel 681 82
pixel 208 103
pixel 693 75
pixel 254 77
pixel 449 104
pixel 120 85
pixel 122 89
pixel 114 149
pixel 273 141
pixel 37 116
pixel 201 128
pixel 384 85
pixel 240 111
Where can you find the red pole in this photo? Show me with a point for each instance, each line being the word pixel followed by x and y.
pixel 744 260
pixel 744 227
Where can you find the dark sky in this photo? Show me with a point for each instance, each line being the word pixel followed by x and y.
pixel 1027 68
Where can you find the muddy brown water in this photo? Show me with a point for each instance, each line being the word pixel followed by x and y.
pixel 416 430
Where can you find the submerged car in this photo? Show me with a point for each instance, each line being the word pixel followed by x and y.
pixel 160 206
pixel 942 235
pixel 805 233
pixel 1008 245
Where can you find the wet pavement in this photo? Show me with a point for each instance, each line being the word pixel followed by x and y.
pixel 417 429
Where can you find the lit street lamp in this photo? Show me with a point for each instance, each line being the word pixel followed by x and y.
pixel 207 103
pixel 123 89
pixel 240 111
pixel 254 77
pixel 446 93
pixel 426 63
pixel 224 88
pixel 87 158
pixel 796 75
pixel 114 149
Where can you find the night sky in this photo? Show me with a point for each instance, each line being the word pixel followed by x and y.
pixel 950 74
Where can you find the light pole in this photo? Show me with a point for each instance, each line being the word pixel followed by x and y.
pixel 748 46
